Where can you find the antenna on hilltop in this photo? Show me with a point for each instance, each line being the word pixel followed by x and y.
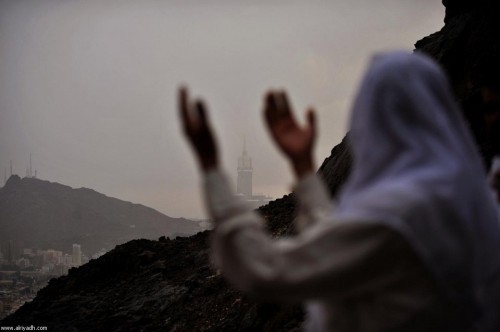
pixel 11 168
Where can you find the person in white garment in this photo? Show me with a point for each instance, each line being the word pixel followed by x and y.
pixel 412 242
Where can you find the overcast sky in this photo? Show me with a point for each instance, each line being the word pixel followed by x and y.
pixel 89 87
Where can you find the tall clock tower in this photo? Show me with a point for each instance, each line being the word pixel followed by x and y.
pixel 245 170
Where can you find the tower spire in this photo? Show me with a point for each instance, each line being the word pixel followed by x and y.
pixel 244 181
pixel 31 169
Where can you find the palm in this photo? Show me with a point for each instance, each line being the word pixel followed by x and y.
pixel 294 140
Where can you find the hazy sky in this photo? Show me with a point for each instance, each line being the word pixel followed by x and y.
pixel 89 87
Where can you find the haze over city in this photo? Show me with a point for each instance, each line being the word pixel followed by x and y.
pixel 89 87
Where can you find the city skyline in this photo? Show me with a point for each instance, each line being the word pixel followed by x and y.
pixel 27 270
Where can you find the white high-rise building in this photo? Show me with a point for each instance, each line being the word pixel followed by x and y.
pixel 244 187
pixel 77 255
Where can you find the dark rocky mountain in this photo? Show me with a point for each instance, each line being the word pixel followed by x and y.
pixel 468 48
pixel 169 284
pixel 46 215
pixel 145 285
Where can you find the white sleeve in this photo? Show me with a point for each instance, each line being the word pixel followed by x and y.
pixel 224 207
pixel 493 176
pixel 314 203
pixel 326 259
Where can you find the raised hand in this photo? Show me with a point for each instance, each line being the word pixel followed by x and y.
pixel 295 141
pixel 197 129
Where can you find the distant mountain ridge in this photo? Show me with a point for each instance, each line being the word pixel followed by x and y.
pixel 45 214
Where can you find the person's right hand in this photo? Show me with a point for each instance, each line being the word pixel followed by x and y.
pixel 295 141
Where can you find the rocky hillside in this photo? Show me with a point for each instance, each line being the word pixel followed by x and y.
pixel 148 285
pixel 468 47
pixel 169 284
pixel 46 215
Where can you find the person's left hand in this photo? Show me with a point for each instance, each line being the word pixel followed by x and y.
pixel 197 129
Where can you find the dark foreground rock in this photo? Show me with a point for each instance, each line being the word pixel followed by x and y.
pixel 468 48
pixel 146 285
pixel 169 285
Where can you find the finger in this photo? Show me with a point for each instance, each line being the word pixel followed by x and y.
pixel 270 108
pixel 184 105
pixel 311 120
pixel 284 103
pixel 286 109
pixel 201 112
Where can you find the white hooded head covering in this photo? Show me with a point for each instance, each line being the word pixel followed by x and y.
pixel 417 171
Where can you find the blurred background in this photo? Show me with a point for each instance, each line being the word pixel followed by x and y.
pixel 89 87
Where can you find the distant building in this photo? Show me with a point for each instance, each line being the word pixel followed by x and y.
pixel 245 171
pixel 244 181
pixel 52 256
pixel 67 260
pixel 77 255
pixel 10 252
pixel 23 262
pixel 99 253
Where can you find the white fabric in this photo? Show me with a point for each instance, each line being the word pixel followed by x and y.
pixel 417 171
pixel 494 172
pixel 314 205
pixel 416 175
pixel 332 264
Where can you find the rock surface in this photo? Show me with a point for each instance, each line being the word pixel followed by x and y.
pixel 148 285
pixel 468 47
